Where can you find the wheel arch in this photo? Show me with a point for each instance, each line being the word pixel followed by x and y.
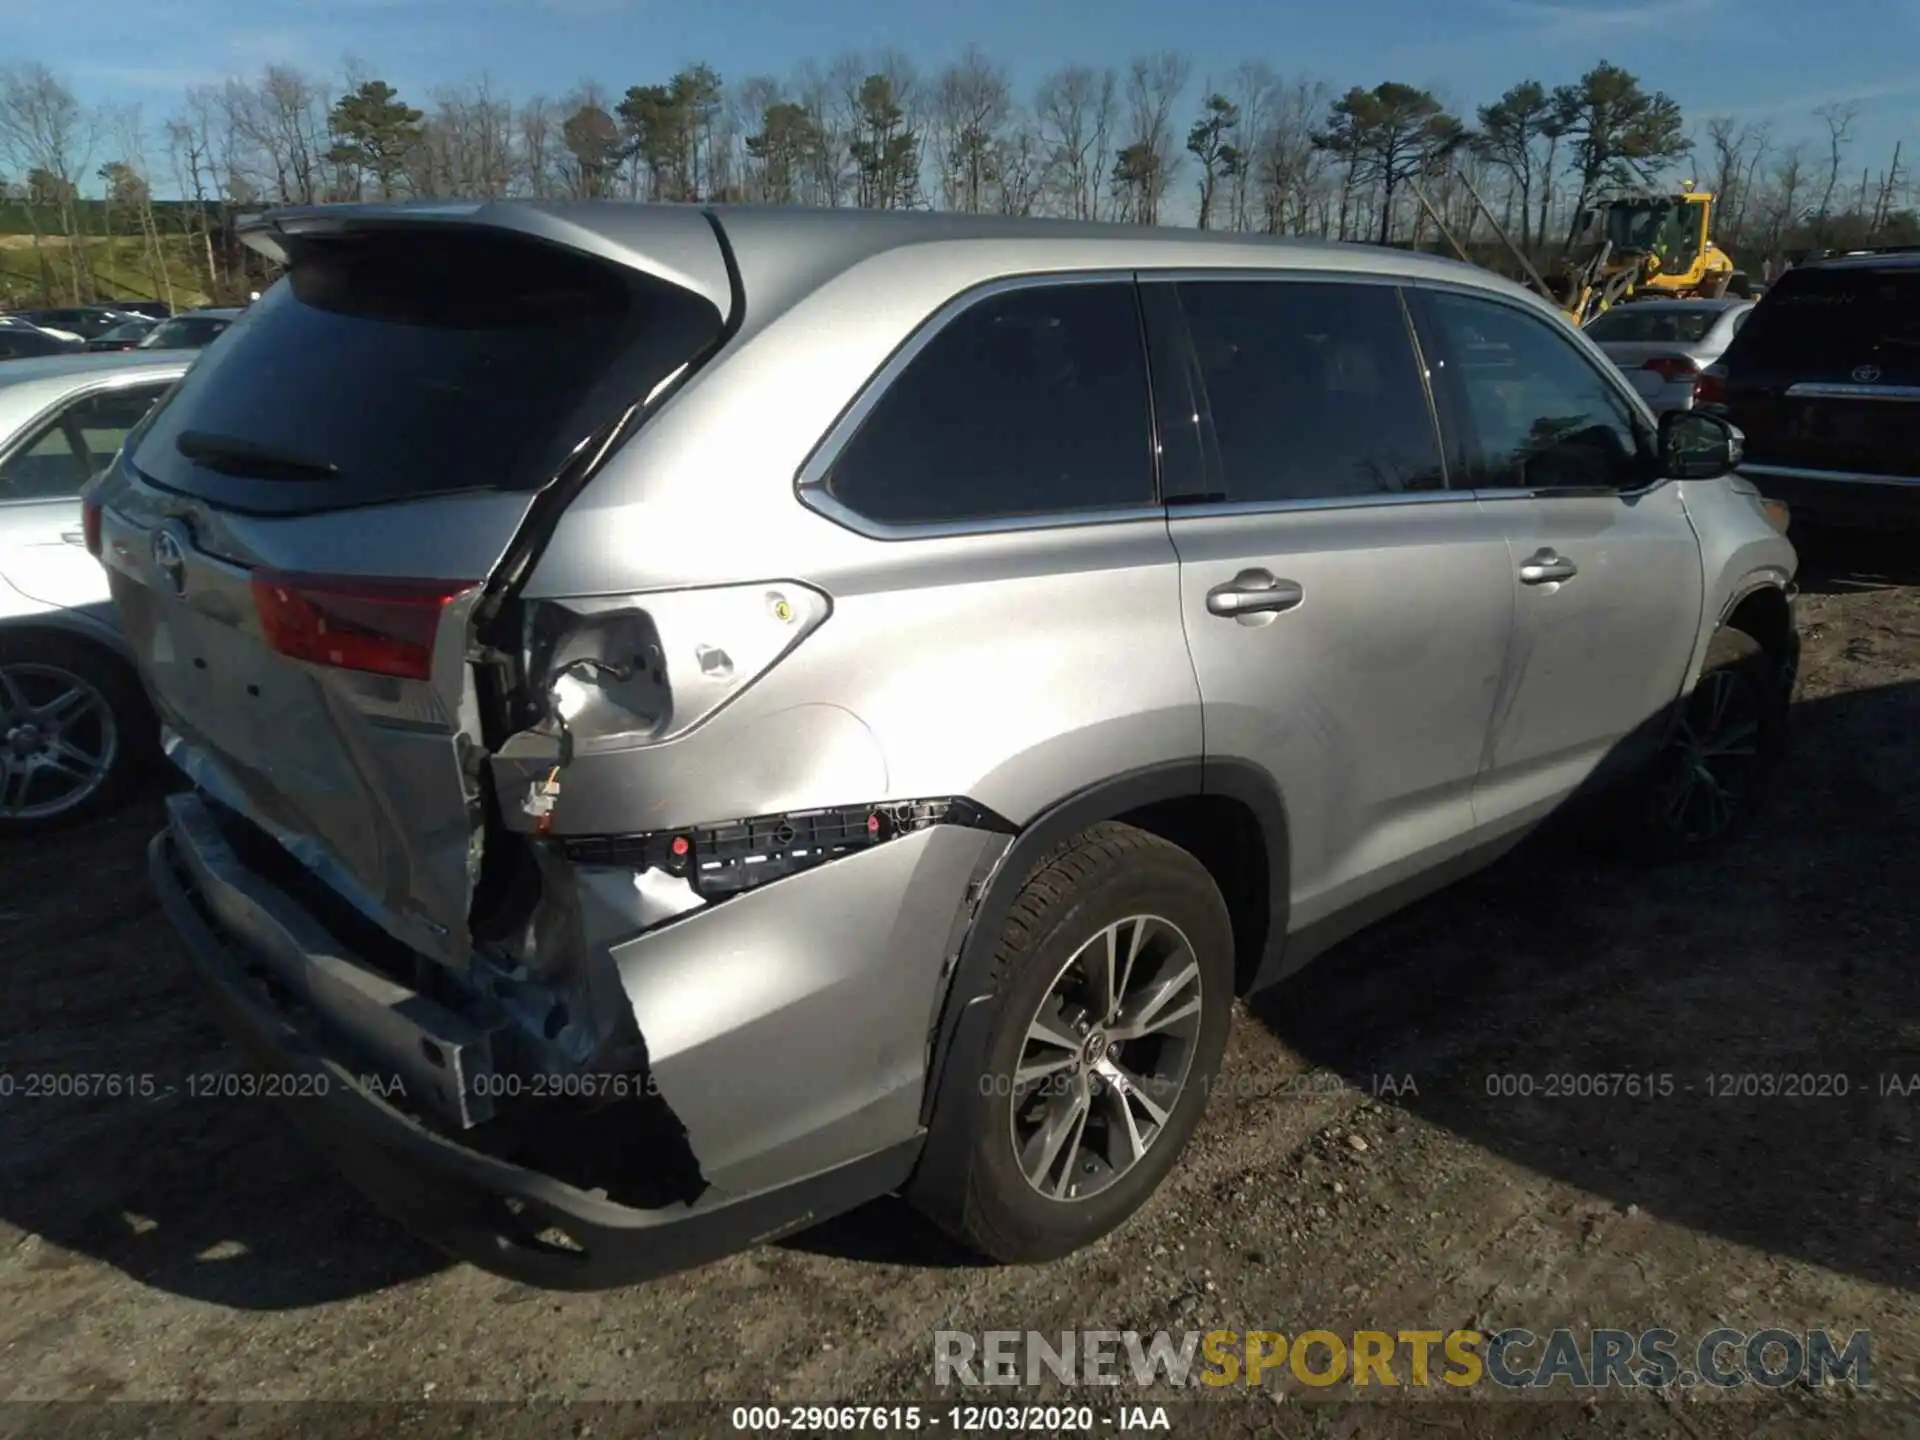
pixel 1764 610
pixel 75 625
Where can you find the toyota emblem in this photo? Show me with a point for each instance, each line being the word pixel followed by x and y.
pixel 1867 374
pixel 171 560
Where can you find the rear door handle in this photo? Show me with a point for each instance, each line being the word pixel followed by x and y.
pixel 74 537
pixel 1545 567
pixel 1253 592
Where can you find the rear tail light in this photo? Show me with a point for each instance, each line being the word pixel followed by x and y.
pixel 90 527
pixel 1672 367
pixel 383 627
pixel 1711 387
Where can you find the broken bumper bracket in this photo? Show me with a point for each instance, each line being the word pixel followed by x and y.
pixel 503 1217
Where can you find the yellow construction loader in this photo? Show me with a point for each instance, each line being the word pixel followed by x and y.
pixel 1626 248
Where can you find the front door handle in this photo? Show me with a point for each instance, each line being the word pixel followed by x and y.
pixel 1253 592
pixel 1545 567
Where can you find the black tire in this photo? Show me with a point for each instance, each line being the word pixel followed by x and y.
pixel 1107 874
pixel 36 654
pixel 1740 677
pixel 1739 286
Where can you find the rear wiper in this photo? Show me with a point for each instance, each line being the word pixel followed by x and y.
pixel 231 455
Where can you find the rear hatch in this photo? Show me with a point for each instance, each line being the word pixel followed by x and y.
pixel 1825 375
pixel 313 540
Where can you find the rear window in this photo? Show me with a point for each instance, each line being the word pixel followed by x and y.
pixel 391 364
pixel 1653 324
pixel 1821 319
pixel 188 332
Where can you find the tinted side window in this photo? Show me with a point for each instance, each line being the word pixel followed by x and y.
pixel 1544 416
pixel 68 450
pixel 1314 389
pixel 1032 401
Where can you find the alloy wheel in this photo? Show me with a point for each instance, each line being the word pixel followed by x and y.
pixel 1106 1057
pixel 1712 758
pixel 60 740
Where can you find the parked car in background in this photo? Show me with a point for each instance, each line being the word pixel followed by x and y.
pixel 85 321
pixel 124 336
pixel 1663 345
pixel 190 330
pixel 1825 381
pixel 152 309
pixel 74 727
pixel 1020 685
pixel 22 339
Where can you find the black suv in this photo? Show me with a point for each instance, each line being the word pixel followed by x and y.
pixel 1824 378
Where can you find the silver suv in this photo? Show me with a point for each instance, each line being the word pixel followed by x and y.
pixel 700 718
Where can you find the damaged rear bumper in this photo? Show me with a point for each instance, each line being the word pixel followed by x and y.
pixel 502 1216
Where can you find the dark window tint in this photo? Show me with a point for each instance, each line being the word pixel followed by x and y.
pixel 393 364
pixel 1314 389
pixel 1030 401
pixel 17 344
pixel 1834 320
pixel 1653 322
pixel 1544 416
pixel 69 449
pixel 184 332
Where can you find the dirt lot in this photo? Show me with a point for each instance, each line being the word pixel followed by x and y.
pixel 176 1248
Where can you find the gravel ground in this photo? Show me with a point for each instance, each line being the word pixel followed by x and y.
pixel 171 1248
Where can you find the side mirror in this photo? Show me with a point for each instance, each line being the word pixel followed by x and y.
pixel 1697 446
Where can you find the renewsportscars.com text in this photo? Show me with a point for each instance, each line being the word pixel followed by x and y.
pixel 1513 1359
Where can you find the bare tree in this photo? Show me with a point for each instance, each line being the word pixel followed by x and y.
pixel 196 171
pixel 129 132
pixel 970 106
pixel 825 175
pixel 1289 171
pixel 539 147
pixel 1736 150
pixel 1074 112
pixel 1838 118
pixel 466 146
pixel 49 139
pixel 1889 187
pixel 1253 88
pixel 1147 162
pixel 1783 208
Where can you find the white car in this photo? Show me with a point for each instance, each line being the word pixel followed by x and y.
pixel 73 721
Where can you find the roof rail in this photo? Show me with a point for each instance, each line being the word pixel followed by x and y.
pixel 1841 254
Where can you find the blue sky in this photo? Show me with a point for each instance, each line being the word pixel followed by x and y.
pixel 1757 59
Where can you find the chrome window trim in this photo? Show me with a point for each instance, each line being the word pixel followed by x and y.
pixel 1823 390
pixel 810 484
pixel 1387 499
pixel 1828 477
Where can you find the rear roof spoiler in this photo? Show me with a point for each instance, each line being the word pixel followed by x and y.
pixel 675 243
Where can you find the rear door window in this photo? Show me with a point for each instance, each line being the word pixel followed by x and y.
pixel 1032 401
pixel 392 364
pixel 1313 388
